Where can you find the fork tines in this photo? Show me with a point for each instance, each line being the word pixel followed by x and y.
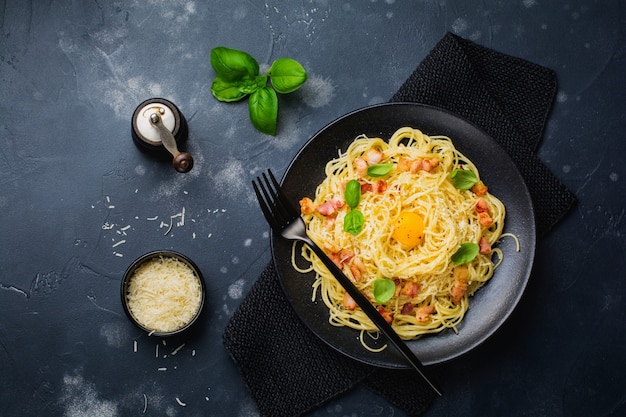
pixel 275 206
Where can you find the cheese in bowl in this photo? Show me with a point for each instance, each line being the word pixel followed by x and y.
pixel 163 292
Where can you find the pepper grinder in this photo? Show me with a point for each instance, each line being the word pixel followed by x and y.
pixel 157 126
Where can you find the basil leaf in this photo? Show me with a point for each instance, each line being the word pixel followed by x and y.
pixel 379 170
pixel 231 64
pixel 287 75
pixel 263 109
pixel 384 289
pixel 463 179
pixel 466 252
pixel 227 91
pixel 352 193
pixel 353 222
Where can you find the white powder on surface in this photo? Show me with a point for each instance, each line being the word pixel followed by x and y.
pixel 232 180
pixel 80 399
pixel 115 334
pixel 235 290
pixel 317 91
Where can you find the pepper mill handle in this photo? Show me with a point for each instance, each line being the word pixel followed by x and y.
pixel 182 162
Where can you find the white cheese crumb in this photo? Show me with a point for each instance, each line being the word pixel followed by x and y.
pixel 121 242
pixel 175 351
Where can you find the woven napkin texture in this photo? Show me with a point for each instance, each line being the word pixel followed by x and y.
pixel 290 371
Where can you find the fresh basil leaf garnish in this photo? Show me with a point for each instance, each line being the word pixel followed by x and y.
pixel 353 222
pixel 383 289
pixel 463 179
pixel 466 252
pixel 352 193
pixel 379 170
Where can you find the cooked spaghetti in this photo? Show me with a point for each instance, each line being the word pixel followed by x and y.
pixel 414 222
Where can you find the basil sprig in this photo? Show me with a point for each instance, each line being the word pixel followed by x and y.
pixel 384 289
pixel 466 252
pixel 238 76
pixel 463 179
pixel 354 220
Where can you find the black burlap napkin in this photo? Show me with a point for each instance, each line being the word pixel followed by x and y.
pixel 288 370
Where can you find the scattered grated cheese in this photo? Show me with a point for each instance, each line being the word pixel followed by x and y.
pixel 164 294
pixel 175 351
pixel 161 369
pixel 182 404
pixel 135 346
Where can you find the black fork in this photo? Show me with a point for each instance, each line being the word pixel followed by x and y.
pixel 284 219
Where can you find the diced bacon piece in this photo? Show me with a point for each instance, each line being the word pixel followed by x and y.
pixel 379 187
pixel 374 156
pixel 330 207
pixel 422 314
pixel 404 164
pixel 346 255
pixel 358 262
pixel 411 289
pixel 430 164
pixel 480 188
pixel 341 257
pixel 335 258
pixel 366 187
pixel 481 206
pixel 416 165
pixel 459 288
pixel 306 206
pixel 484 246
pixel 407 308
pixel 326 208
pixel 361 166
pixel 348 302
pixel 485 219
pixel 357 274
pixel 388 316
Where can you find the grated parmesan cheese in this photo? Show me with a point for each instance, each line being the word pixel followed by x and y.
pixel 164 294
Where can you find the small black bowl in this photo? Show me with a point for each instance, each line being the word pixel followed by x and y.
pixel 153 257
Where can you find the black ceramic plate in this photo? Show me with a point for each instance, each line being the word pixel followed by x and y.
pixel 491 305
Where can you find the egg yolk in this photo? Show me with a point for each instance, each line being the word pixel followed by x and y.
pixel 409 229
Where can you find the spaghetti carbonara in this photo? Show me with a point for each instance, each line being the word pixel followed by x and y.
pixel 411 224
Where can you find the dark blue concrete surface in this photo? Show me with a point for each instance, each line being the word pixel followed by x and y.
pixel 79 202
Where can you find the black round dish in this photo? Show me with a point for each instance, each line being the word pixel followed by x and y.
pixel 146 258
pixel 492 304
